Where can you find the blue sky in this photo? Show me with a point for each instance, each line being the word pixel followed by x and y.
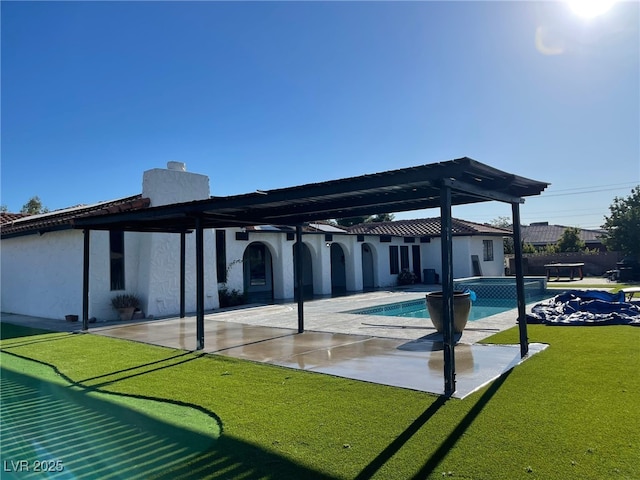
pixel 275 94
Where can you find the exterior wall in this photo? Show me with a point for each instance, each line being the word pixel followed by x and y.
pixel 431 257
pixel 159 253
pixel 493 268
pixel 463 248
pixel 158 283
pixel 42 275
pixel 164 186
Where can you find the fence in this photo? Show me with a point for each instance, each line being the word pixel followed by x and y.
pixel 595 264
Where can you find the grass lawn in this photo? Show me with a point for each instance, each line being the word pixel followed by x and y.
pixel 570 412
pixel 611 287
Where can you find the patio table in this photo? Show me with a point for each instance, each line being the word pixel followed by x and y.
pixel 572 267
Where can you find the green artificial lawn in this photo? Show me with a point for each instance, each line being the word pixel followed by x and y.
pixel 611 287
pixel 569 412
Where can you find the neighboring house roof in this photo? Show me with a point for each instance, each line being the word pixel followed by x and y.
pixel 426 227
pixel 63 219
pixel 545 234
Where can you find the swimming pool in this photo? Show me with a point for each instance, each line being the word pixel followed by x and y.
pixel 502 287
pixel 494 295
pixel 481 308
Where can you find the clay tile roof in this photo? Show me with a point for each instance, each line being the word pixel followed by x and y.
pixel 425 227
pixel 63 219
pixel 10 217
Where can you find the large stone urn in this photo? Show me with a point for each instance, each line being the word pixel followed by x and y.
pixel 461 309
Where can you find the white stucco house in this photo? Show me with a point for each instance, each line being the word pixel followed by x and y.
pixel 42 256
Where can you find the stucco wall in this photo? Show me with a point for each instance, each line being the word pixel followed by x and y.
pixel 159 273
pixel 42 275
pixel 164 187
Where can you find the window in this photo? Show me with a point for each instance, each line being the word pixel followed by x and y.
pixel 257 265
pixel 487 250
pixel 116 255
pixel 221 255
pixel 404 257
pixel 393 259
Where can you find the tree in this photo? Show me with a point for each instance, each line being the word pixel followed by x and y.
pixel 570 241
pixel 351 221
pixel 34 206
pixel 381 217
pixel 623 225
pixel 504 222
pixel 4 208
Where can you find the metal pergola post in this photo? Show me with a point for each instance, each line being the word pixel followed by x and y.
pixel 183 274
pixel 299 279
pixel 199 284
pixel 85 279
pixel 446 241
pixel 522 312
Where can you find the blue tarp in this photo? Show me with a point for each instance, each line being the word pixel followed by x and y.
pixel 586 307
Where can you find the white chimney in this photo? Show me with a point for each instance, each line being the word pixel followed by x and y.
pixel 177 166
pixel 174 185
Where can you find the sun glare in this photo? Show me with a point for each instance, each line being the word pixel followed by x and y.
pixel 590 8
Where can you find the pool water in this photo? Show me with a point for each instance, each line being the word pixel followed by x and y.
pixel 481 308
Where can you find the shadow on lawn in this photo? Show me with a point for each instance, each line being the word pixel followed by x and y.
pixel 92 437
pixel 446 445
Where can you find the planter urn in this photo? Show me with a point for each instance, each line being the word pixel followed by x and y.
pixel 461 309
pixel 126 313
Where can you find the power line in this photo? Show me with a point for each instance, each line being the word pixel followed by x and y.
pixel 582 193
pixel 631 184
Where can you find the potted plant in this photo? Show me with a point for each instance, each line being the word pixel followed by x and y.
pixel 406 277
pixel 126 305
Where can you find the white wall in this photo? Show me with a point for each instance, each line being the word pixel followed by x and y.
pixel 159 253
pixel 159 273
pixel 463 248
pixel 42 275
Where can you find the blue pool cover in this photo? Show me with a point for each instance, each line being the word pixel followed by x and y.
pixel 586 307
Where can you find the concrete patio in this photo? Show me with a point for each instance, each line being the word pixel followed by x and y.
pixel 395 351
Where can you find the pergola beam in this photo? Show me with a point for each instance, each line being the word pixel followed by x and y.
pixel 481 193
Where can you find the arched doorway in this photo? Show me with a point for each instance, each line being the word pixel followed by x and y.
pixel 368 281
pixel 307 272
pixel 258 273
pixel 338 270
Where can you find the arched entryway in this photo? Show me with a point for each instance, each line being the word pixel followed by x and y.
pixel 258 273
pixel 307 272
pixel 368 280
pixel 338 270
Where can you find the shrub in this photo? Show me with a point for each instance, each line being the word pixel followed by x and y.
pixel 230 298
pixel 125 300
pixel 405 277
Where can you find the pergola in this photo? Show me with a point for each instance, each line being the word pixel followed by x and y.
pixel 444 184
